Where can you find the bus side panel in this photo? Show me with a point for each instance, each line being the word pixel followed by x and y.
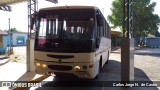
pixel 104 50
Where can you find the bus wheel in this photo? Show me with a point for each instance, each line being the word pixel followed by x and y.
pixel 107 61
pixel 98 75
pixel 107 58
pixel 99 70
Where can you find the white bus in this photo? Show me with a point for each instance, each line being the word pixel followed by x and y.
pixel 71 40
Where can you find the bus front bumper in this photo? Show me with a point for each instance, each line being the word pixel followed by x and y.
pixel 80 70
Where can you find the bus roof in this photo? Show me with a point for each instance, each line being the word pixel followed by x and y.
pixel 69 7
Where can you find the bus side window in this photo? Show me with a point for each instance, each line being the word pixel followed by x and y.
pixel 98 31
pixel 104 30
pixel 101 29
pixel 108 31
pixel 99 25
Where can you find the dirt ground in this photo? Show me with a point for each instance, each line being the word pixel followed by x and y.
pixel 149 64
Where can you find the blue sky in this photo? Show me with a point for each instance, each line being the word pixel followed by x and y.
pixel 19 16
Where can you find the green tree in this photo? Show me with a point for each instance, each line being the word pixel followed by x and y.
pixel 14 30
pixel 144 19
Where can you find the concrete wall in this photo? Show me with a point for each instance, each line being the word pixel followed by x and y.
pixel 116 41
pixel 153 42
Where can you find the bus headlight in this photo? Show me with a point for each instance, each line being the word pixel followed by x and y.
pixel 44 65
pixel 38 64
pixel 77 68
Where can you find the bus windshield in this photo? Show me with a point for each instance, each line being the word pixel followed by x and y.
pixel 69 31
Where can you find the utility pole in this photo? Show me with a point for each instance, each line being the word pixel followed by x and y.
pixel 9 49
pixel 32 8
pixel 127 47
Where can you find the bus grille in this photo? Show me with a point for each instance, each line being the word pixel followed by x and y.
pixel 60 67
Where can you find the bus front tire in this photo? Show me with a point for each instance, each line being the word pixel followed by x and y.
pixel 99 70
pixel 107 61
pixel 107 58
pixel 98 75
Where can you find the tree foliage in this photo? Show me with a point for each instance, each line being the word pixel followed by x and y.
pixel 143 16
pixel 14 30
